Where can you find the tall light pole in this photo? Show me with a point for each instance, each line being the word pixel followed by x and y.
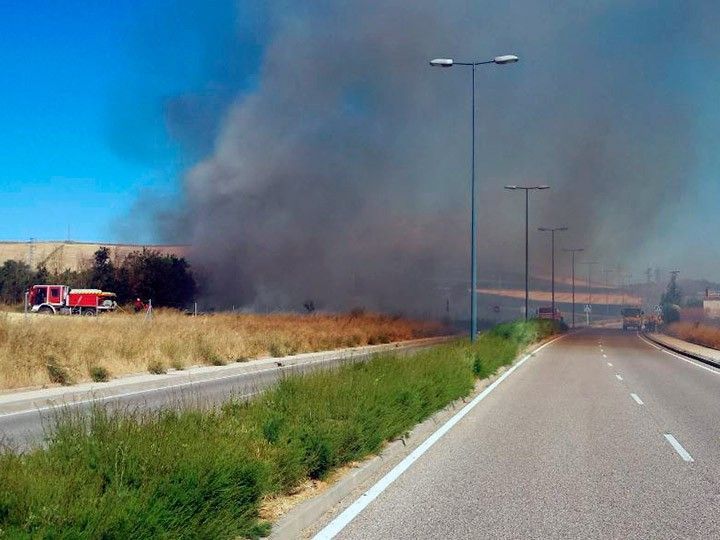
pixel 552 231
pixel 573 251
pixel 527 190
pixel 606 273
pixel 447 63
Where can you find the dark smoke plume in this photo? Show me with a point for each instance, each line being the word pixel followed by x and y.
pixel 343 175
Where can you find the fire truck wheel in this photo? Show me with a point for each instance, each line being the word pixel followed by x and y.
pixel 46 310
pixel 89 312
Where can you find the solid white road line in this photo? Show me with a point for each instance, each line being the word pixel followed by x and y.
pixel 678 447
pixel 619 378
pixel 684 359
pixel 637 399
pixel 609 364
pixel 341 521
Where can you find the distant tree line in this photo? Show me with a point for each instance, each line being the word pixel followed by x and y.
pixel 167 280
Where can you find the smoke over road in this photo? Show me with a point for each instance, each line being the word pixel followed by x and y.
pixel 342 176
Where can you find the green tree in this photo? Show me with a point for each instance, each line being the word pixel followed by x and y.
pixel 165 279
pixel 673 293
pixel 42 275
pixel 671 300
pixel 15 278
pixel 102 273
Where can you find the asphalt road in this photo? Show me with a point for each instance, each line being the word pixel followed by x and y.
pixel 599 435
pixel 27 419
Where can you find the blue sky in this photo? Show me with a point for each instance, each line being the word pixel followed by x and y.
pixel 102 101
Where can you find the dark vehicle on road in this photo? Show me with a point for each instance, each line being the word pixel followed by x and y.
pixel 632 318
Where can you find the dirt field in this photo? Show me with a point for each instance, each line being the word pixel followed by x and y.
pixel 59 256
pixel 44 350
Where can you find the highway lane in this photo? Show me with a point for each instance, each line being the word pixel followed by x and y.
pixel 25 423
pixel 600 435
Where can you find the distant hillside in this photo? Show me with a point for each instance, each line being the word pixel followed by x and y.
pixel 58 256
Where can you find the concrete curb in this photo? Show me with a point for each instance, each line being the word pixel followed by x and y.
pixel 658 339
pixel 304 519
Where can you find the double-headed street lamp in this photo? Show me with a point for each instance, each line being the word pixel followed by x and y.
pixel 446 63
pixel 573 251
pixel 552 231
pixel 527 200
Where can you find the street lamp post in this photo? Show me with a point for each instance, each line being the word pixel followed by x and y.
pixel 573 251
pixel 552 231
pixel 527 202
pixel 447 63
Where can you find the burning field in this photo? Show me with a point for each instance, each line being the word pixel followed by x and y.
pixel 46 350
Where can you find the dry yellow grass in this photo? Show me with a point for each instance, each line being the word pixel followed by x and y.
pixel 42 350
pixel 695 332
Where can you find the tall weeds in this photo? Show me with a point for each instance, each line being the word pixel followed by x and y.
pixel 203 474
pixel 123 343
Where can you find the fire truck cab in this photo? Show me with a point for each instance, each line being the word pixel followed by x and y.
pixel 52 299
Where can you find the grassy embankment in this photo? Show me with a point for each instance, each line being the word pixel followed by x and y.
pixel 206 474
pixel 695 332
pixel 42 350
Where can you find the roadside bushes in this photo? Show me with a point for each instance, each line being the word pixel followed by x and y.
pixel 502 343
pixel 204 474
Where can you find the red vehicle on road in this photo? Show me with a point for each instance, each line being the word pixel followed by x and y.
pixel 547 313
pixel 52 299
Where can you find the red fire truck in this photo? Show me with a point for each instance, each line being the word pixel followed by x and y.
pixel 51 299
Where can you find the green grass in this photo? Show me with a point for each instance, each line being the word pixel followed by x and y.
pixel 99 373
pixel 198 474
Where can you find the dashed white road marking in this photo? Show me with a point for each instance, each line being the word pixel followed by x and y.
pixel 678 447
pixel 604 355
pixel 619 378
pixel 637 399
pixel 609 364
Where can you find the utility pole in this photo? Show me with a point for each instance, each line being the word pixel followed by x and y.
pixel 589 281
pixel 589 284
pixel 626 285
pixel 573 251
pixel 552 230
pixel 607 272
